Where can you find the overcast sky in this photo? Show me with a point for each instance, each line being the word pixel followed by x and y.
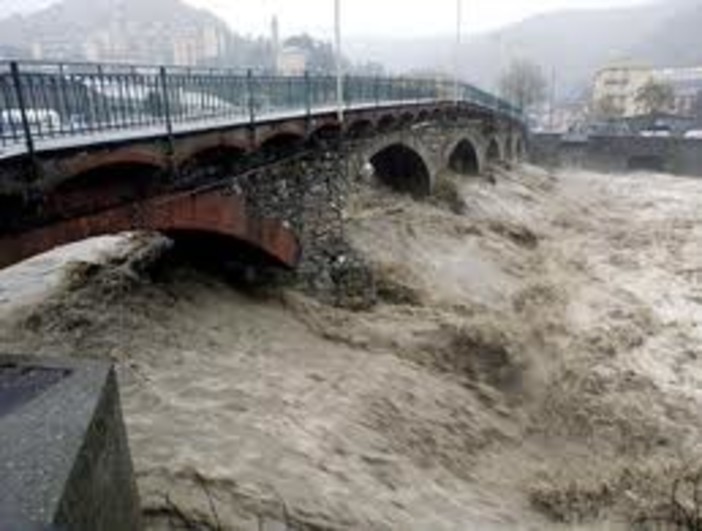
pixel 387 17
pixel 369 18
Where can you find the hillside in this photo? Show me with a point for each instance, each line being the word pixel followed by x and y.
pixel 677 42
pixel 132 30
pixel 574 43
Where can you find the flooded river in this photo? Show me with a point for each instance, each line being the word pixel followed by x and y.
pixel 534 363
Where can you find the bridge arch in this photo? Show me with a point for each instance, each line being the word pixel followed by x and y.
pixel 216 143
pixel 407 118
pixel 212 212
pixel 494 151
pixel 212 161
pixel 519 148
pixel 101 187
pixel 464 157
pixel 403 169
pixel 387 122
pixel 359 128
pixel 93 162
pixel 281 143
pixel 328 132
pixel 12 207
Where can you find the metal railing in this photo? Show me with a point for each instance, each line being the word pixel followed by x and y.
pixel 42 102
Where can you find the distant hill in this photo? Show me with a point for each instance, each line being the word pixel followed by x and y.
pixel 143 31
pixel 573 43
pixel 128 30
pixel 677 41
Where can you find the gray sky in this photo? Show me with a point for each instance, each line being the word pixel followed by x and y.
pixel 387 17
pixel 369 17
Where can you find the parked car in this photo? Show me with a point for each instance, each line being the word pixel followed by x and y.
pixel 41 121
pixel 656 131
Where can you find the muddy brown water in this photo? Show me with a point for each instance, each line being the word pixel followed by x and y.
pixel 535 364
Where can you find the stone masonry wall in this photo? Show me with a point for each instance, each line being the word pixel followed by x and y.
pixel 323 182
pixel 309 193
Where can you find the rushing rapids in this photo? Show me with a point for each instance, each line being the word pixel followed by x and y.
pixel 534 362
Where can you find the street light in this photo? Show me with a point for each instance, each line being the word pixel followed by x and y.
pixel 339 68
pixel 457 58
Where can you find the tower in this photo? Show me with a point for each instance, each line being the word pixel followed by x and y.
pixel 275 38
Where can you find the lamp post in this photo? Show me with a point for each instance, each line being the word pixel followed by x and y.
pixel 457 52
pixel 339 67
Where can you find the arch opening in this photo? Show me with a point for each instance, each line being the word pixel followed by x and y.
pixel 328 134
pixel 101 188
pixel 281 145
pixel 407 118
pixel 387 122
pixel 464 159
pixel 238 259
pixel 360 129
pixel 646 163
pixel 402 169
pixel 13 209
pixel 212 162
pixel 493 152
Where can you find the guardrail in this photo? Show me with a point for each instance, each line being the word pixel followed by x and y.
pixel 44 101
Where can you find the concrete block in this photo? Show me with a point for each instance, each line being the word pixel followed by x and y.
pixel 64 457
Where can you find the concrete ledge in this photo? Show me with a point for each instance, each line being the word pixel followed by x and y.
pixel 64 457
pixel 619 154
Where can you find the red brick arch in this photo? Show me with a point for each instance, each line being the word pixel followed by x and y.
pixel 210 212
pixel 287 129
pixel 191 150
pixel 125 156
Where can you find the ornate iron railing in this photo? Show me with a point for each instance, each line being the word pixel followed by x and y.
pixel 41 102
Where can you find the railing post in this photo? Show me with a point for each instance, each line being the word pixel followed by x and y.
pixel 17 81
pixel 101 103
pixel 64 86
pixel 376 91
pixel 308 96
pixel 250 96
pixel 346 92
pixel 166 107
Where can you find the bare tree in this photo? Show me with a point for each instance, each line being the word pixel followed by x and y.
pixel 523 83
pixel 606 108
pixel 655 96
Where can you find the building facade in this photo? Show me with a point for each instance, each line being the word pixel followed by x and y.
pixel 616 88
pixel 687 84
pixel 291 61
pixel 185 45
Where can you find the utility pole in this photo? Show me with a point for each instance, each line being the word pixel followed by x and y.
pixel 552 104
pixel 339 67
pixel 457 52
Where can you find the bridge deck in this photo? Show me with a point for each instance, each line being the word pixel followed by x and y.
pixel 65 141
pixel 63 106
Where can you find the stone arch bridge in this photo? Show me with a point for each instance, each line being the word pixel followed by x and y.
pixel 262 178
